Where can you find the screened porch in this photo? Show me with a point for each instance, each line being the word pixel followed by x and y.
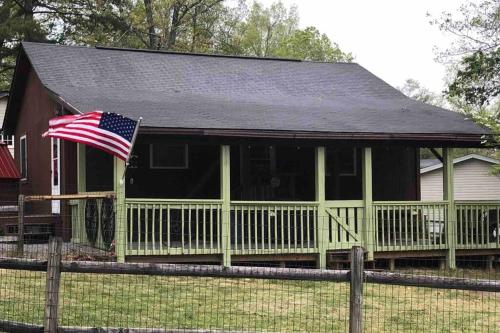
pixel 255 198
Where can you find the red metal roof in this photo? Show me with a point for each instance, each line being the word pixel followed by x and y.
pixel 8 168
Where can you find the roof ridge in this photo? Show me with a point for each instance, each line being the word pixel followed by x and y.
pixel 196 54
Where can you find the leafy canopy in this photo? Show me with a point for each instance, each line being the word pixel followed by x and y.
pixel 207 26
pixel 474 87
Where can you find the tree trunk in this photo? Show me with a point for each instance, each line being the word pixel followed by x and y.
pixel 194 30
pixel 28 21
pixel 148 5
pixel 174 25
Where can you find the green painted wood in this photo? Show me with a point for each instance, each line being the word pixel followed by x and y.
pixel 320 199
pixel 341 219
pixel 408 227
pixel 405 227
pixel 369 225
pixel 225 179
pixel 120 209
pixel 81 187
pixel 448 195
pixel 161 216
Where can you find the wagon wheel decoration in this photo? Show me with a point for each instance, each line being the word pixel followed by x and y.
pixel 107 222
pixel 91 220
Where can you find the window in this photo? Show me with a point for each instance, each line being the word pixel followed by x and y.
pixel 4 138
pixel 347 161
pixel 23 158
pixel 168 156
pixel 55 162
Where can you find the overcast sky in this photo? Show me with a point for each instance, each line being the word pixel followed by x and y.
pixel 391 38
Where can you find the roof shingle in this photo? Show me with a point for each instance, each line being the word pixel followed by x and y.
pixel 209 92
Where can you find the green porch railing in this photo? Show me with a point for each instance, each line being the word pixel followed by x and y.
pixel 478 224
pixel 163 227
pixel 170 227
pixel 346 220
pixel 93 222
pixel 274 227
pixel 410 226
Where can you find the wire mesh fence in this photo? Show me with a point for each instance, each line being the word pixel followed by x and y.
pixel 275 286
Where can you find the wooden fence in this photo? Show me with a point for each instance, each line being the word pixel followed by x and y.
pixel 356 276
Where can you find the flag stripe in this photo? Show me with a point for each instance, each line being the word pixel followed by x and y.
pixel 95 132
pixel 111 135
pixel 68 119
pixel 90 142
pixel 90 136
pixel 106 131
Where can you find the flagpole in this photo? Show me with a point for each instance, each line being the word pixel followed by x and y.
pixel 132 143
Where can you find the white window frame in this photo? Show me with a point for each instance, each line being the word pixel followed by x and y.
pixel 186 157
pixel 25 138
pixel 55 189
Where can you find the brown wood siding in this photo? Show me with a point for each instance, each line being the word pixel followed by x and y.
pixel 36 109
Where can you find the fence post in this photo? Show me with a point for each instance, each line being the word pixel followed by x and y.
pixel 20 225
pixel 52 285
pixel 356 291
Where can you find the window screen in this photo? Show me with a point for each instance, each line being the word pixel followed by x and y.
pixel 168 156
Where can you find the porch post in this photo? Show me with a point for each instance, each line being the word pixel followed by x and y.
pixel 369 225
pixel 81 158
pixel 81 180
pixel 225 191
pixel 448 195
pixel 120 210
pixel 320 198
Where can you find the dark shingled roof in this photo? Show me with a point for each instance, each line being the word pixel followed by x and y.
pixel 216 92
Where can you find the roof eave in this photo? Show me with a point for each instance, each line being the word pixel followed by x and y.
pixel 455 139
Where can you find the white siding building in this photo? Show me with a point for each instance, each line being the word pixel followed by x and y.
pixel 4 96
pixel 472 176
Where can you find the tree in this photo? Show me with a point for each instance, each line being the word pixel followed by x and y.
pixel 476 50
pixel 175 24
pixel 263 30
pixel 210 26
pixel 310 44
pixel 475 84
pixel 413 89
pixel 57 21
pixel 477 80
pixel 273 32
pixel 16 23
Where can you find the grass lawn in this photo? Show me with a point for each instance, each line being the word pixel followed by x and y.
pixel 246 304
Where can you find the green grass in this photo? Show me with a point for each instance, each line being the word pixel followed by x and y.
pixel 245 304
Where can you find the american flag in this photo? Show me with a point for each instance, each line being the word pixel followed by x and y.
pixel 106 131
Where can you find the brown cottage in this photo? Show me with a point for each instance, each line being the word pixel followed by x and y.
pixel 242 159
